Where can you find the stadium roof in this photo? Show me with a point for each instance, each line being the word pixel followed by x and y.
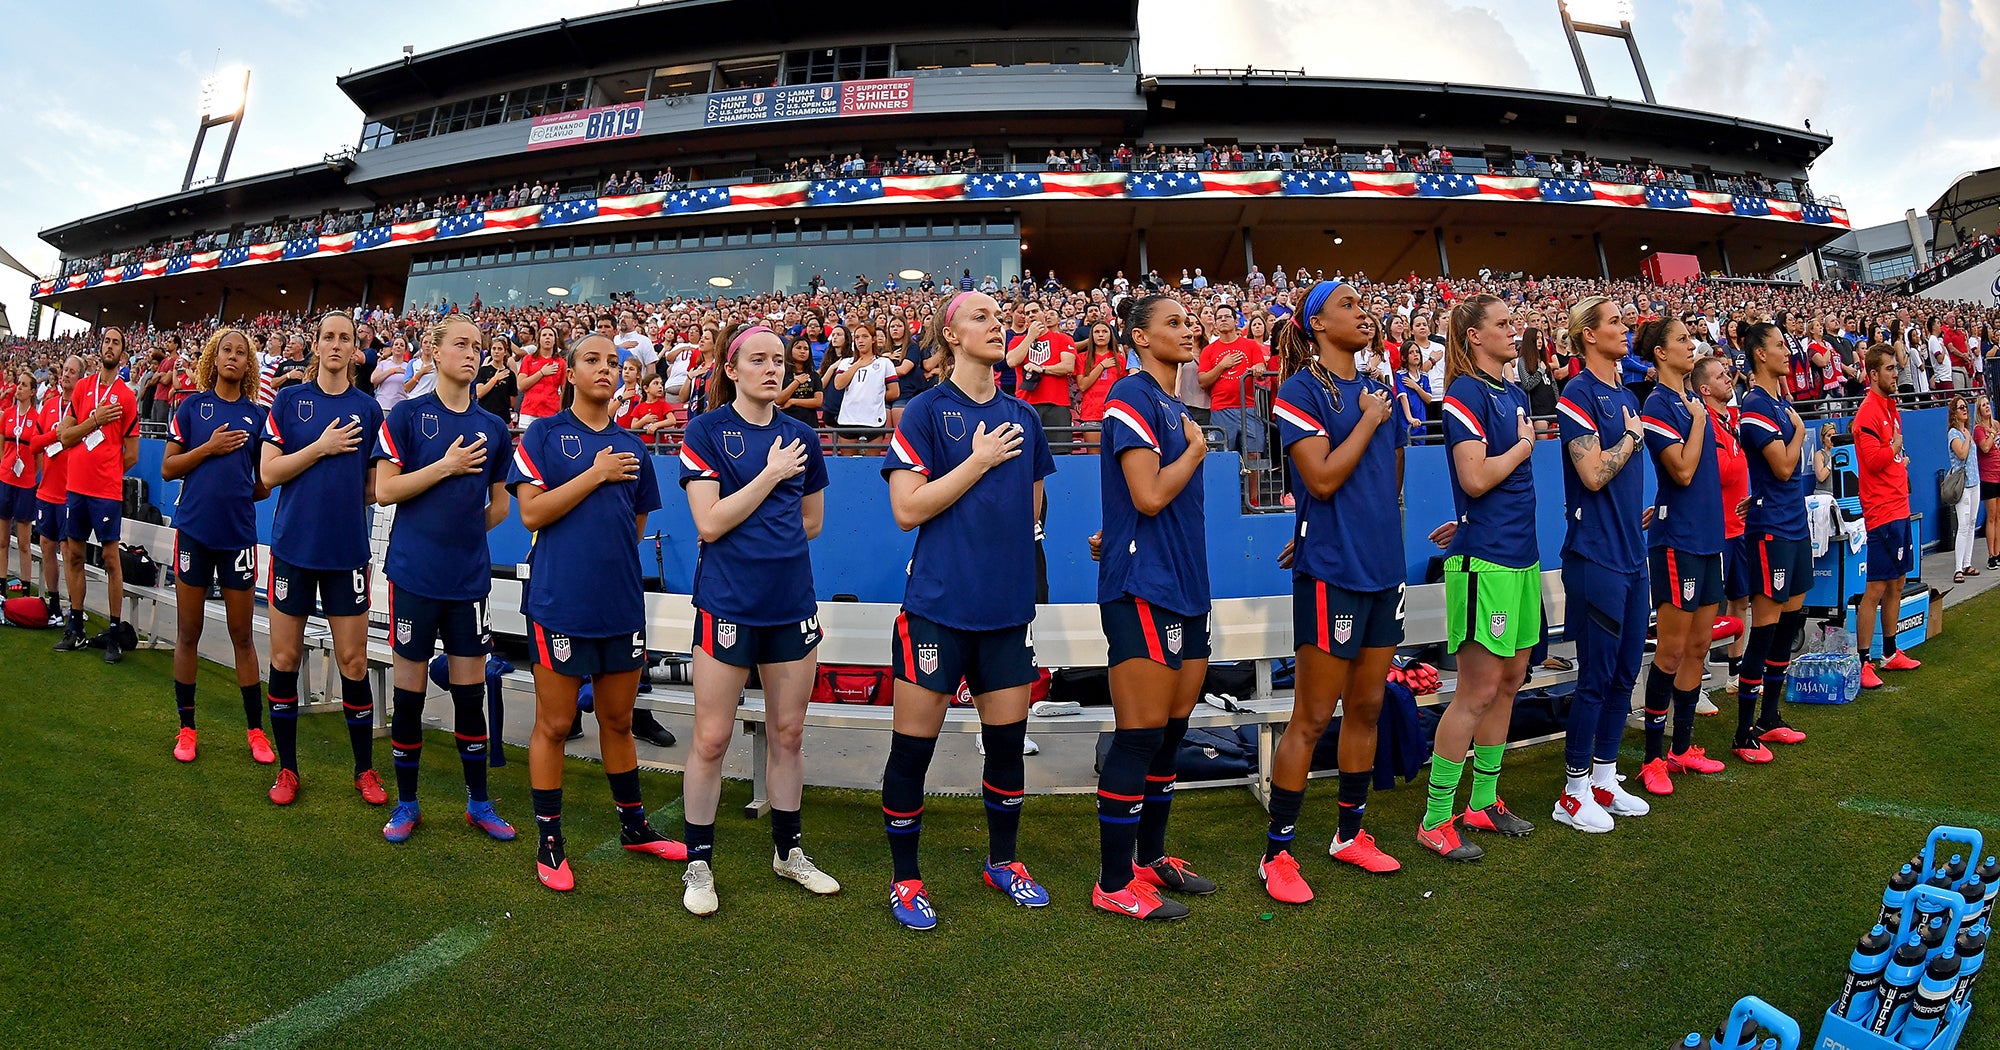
pixel 1972 203
pixel 616 39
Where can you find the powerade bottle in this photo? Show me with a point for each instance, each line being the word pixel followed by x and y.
pixel 1973 889
pixel 1941 878
pixel 1899 983
pixel 1692 1042
pixel 1768 1044
pixel 1934 994
pixel 1933 934
pixel 1744 1039
pixel 1956 868
pixel 1972 953
pixel 1864 975
pixel 1989 876
pixel 1898 893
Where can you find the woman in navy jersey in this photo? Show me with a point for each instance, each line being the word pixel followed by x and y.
pixel 1684 556
pixel 755 480
pixel 441 461
pixel 1338 427
pixel 1780 544
pixel 314 459
pixel 1604 566
pixel 965 470
pixel 212 448
pixel 585 487
pixel 1492 573
pixel 1152 593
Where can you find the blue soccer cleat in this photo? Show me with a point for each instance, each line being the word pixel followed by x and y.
pixel 911 905
pixel 481 815
pixel 402 822
pixel 1012 878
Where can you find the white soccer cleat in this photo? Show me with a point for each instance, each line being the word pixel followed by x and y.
pixel 1705 707
pixel 799 868
pixel 1582 813
pixel 700 896
pixel 1619 802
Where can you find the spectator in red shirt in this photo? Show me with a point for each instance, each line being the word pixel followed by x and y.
pixel 1885 506
pixel 1716 381
pixel 1100 365
pixel 1043 362
pixel 100 438
pixel 541 378
pixel 1228 366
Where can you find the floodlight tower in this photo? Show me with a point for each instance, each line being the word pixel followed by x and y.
pixel 222 99
pixel 1602 18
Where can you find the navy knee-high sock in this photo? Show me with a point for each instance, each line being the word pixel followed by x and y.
pixel 184 703
pixel 1750 684
pixel 253 705
pixel 357 700
pixel 468 704
pixel 406 739
pixel 1684 704
pixel 1659 700
pixel 1161 776
pixel 903 799
pixel 1777 664
pixel 1003 782
pixel 1120 799
pixel 285 717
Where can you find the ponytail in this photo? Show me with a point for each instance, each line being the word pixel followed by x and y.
pixel 1469 314
pixel 312 366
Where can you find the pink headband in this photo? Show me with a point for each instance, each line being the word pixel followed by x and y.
pixel 953 305
pixel 745 334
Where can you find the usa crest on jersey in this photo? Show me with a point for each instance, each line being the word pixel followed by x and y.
pixel 1343 629
pixel 927 659
pixel 561 646
pixel 1174 638
pixel 1497 624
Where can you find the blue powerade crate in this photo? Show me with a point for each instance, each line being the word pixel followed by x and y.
pixel 1839 1033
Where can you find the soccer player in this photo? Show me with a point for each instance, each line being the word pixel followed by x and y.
pixel 51 495
pixel 585 487
pixel 1780 543
pixel 313 458
pixel 20 437
pixel 1684 551
pixel 1152 595
pixel 965 469
pixel 755 480
pixel 1347 571
pixel 441 461
pixel 1604 565
pixel 1884 469
pixel 100 434
pixel 1492 573
pixel 212 446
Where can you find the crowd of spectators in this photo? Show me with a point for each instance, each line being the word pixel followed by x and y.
pixel 1965 253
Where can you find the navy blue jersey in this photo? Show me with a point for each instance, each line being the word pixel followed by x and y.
pixel 974 564
pixel 323 514
pixel 1602 526
pixel 1163 557
pixel 1685 517
pixel 1353 539
pixel 1499 526
pixel 437 547
pixel 583 569
pixel 218 502
pixel 760 572
pixel 1777 505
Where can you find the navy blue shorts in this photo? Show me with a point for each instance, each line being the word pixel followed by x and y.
pixel 568 654
pixel 1783 568
pixel 297 591
pixel 17 504
pixel 1738 578
pixel 416 623
pixel 1341 622
pixel 935 657
pixel 83 515
pixel 746 645
pixel 1139 630
pixel 1685 581
pixel 1891 555
pixel 198 565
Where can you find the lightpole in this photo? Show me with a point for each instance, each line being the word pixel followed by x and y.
pixel 222 98
pixel 1611 18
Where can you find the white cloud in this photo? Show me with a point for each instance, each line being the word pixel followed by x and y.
pixel 1985 17
pixel 1407 40
pixel 1733 62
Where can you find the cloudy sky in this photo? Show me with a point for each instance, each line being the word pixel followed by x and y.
pixel 102 107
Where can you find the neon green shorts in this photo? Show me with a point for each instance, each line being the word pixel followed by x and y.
pixel 1497 606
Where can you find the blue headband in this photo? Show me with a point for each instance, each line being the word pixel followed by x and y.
pixel 1315 300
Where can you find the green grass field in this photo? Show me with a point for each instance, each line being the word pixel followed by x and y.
pixel 147 903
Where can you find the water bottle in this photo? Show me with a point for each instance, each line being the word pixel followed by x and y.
pixel 1768 1044
pixel 1933 933
pixel 1864 975
pixel 1899 983
pixel 1898 893
pixel 1955 868
pixel 1989 876
pixel 1941 878
pixel 1934 994
pixel 1973 890
pixel 1692 1042
pixel 1971 953
pixel 1744 1039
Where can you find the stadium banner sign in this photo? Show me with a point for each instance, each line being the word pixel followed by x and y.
pixel 600 124
pixel 983 186
pixel 841 98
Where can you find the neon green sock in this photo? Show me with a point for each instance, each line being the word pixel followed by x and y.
pixel 1486 774
pixel 1444 790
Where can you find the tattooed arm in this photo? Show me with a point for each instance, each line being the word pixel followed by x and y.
pixel 1596 465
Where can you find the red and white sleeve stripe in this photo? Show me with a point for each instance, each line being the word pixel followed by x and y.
pixel 1575 414
pixel 1457 410
pixel 389 445
pixel 1662 428
pixel 527 466
pixel 1126 414
pixel 906 455
pixel 694 462
pixel 1296 416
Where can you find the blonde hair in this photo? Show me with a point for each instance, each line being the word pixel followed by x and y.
pixel 1582 318
pixel 204 366
pixel 434 335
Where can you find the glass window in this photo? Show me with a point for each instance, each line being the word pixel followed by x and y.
pixel 760 71
pixel 675 81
